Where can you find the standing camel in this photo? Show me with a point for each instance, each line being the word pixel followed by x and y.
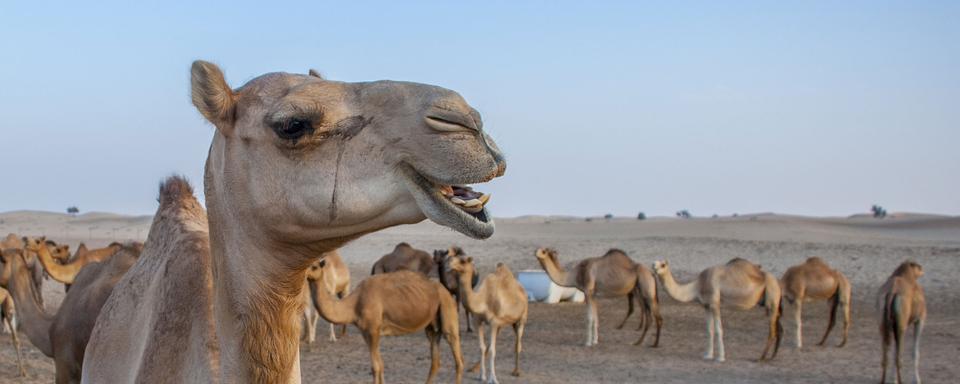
pixel 612 275
pixel 66 273
pixel 815 280
pixel 8 314
pixel 738 283
pixel 393 304
pixel 298 166
pixel 404 258
pixel 499 301
pixel 448 277
pixel 904 304
pixel 332 275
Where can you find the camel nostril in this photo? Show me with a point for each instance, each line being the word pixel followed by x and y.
pixel 501 168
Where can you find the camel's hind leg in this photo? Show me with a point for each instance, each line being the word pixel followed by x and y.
pixel 711 330
pixel 492 353
pixel 450 326
pixel 645 319
pixel 917 330
pixel 885 331
pixel 655 310
pixel 16 344
pixel 518 332
pixel 482 364
pixel 834 304
pixel 434 338
pixel 798 321
pixel 376 362
pixel 721 351
pixel 630 297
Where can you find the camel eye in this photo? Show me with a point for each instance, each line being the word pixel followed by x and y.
pixel 293 129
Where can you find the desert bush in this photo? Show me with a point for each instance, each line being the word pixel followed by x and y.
pixel 878 211
pixel 684 214
pixel 641 216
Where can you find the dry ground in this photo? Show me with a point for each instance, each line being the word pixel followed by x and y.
pixel 866 250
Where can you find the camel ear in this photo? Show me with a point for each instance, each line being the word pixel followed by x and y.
pixel 212 96
pixel 469 259
pixel 314 73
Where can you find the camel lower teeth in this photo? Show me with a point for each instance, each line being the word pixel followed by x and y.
pixel 475 209
pixel 472 203
pixel 457 201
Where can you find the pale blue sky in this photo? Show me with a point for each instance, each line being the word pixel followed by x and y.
pixel 819 108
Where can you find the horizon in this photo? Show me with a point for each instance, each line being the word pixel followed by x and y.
pixel 816 109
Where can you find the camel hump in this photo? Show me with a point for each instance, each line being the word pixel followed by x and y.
pixel 175 189
pixel 615 251
pixel 402 245
pixel 815 260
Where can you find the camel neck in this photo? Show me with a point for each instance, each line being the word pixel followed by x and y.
pixel 35 321
pixel 557 274
pixel 333 310
pixel 474 303
pixel 681 292
pixel 62 273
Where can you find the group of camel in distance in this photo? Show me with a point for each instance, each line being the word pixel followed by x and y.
pixel 299 166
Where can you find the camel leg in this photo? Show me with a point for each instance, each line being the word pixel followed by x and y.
pixel 885 335
pixel 343 327
pixel 629 310
pixel 596 322
pixel 452 333
pixel 773 337
pixel 482 364
pixel 518 332
pixel 16 344
pixel 645 320
pixel 333 332
pixel 655 309
pixel 710 333
pixel 798 321
pixel 721 355
pixel 376 362
pixel 434 338
pixel 845 307
pixel 494 332
pixel 917 330
pixel 589 307
pixel 834 304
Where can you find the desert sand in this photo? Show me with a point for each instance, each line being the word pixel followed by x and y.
pixel 865 249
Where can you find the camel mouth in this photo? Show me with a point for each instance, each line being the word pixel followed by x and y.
pixel 456 206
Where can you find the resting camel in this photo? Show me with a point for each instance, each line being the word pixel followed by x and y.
pixel 815 280
pixel 738 283
pixel 499 301
pixel 404 258
pixel 448 278
pixel 334 276
pixel 64 335
pixel 904 304
pixel 394 304
pixel 66 273
pixel 8 314
pixel 612 275
pixel 298 166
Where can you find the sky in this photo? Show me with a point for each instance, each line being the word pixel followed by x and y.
pixel 813 108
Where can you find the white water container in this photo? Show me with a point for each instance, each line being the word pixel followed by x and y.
pixel 540 288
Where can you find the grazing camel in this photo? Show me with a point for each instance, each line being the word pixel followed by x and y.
pixel 393 304
pixel 738 283
pixel 499 301
pixel 404 258
pixel 298 166
pixel 448 278
pixel 903 304
pixel 66 273
pixel 64 335
pixel 334 276
pixel 815 280
pixel 8 314
pixel 612 275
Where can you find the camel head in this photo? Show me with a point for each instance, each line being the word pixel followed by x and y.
pixel 909 268
pixel 33 244
pixel 462 265
pixel 306 160
pixel 547 254
pixel 60 253
pixel 661 267
pixel 441 255
pixel 315 270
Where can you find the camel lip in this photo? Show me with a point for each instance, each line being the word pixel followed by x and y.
pixel 439 209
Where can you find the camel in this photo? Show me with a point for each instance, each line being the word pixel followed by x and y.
pixel 310 317
pixel 815 280
pixel 64 335
pixel 449 278
pixel 298 166
pixel 66 273
pixel 612 275
pixel 903 304
pixel 499 301
pixel 12 241
pixel 404 258
pixel 8 314
pixel 738 283
pixel 334 276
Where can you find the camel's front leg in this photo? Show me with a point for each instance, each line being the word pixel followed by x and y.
pixel 494 332
pixel 518 332
pixel 917 330
pixel 483 353
pixel 376 362
pixel 798 320
pixel 710 332
pixel 629 310
pixel 589 307
pixel 16 344
pixel 434 338
pixel 596 324
pixel 721 355
pixel 333 332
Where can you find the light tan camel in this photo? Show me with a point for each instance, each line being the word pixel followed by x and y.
pixel 738 283
pixel 499 301
pixel 815 280
pixel 8 314
pixel 612 275
pixel 298 166
pixel 64 336
pixel 404 258
pixel 66 273
pixel 334 276
pixel 903 304
pixel 398 303
pixel 448 278
pixel 12 241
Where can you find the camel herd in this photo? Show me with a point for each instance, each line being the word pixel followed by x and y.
pixel 299 166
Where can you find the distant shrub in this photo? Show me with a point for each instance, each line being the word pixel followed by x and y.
pixel 878 211
pixel 608 216
pixel 73 211
pixel 589 219
pixel 715 216
pixel 641 216
pixel 684 214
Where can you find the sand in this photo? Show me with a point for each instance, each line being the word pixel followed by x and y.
pixel 865 249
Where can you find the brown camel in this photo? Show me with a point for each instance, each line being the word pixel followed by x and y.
pixel 12 241
pixel 332 275
pixel 903 304
pixel 499 301
pixel 404 258
pixel 448 278
pixel 815 280
pixel 298 166
pixel 738 283
pixel 8 314
pixel 64 336
pixel 394 304
pixel 612 275
pixel 66 273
